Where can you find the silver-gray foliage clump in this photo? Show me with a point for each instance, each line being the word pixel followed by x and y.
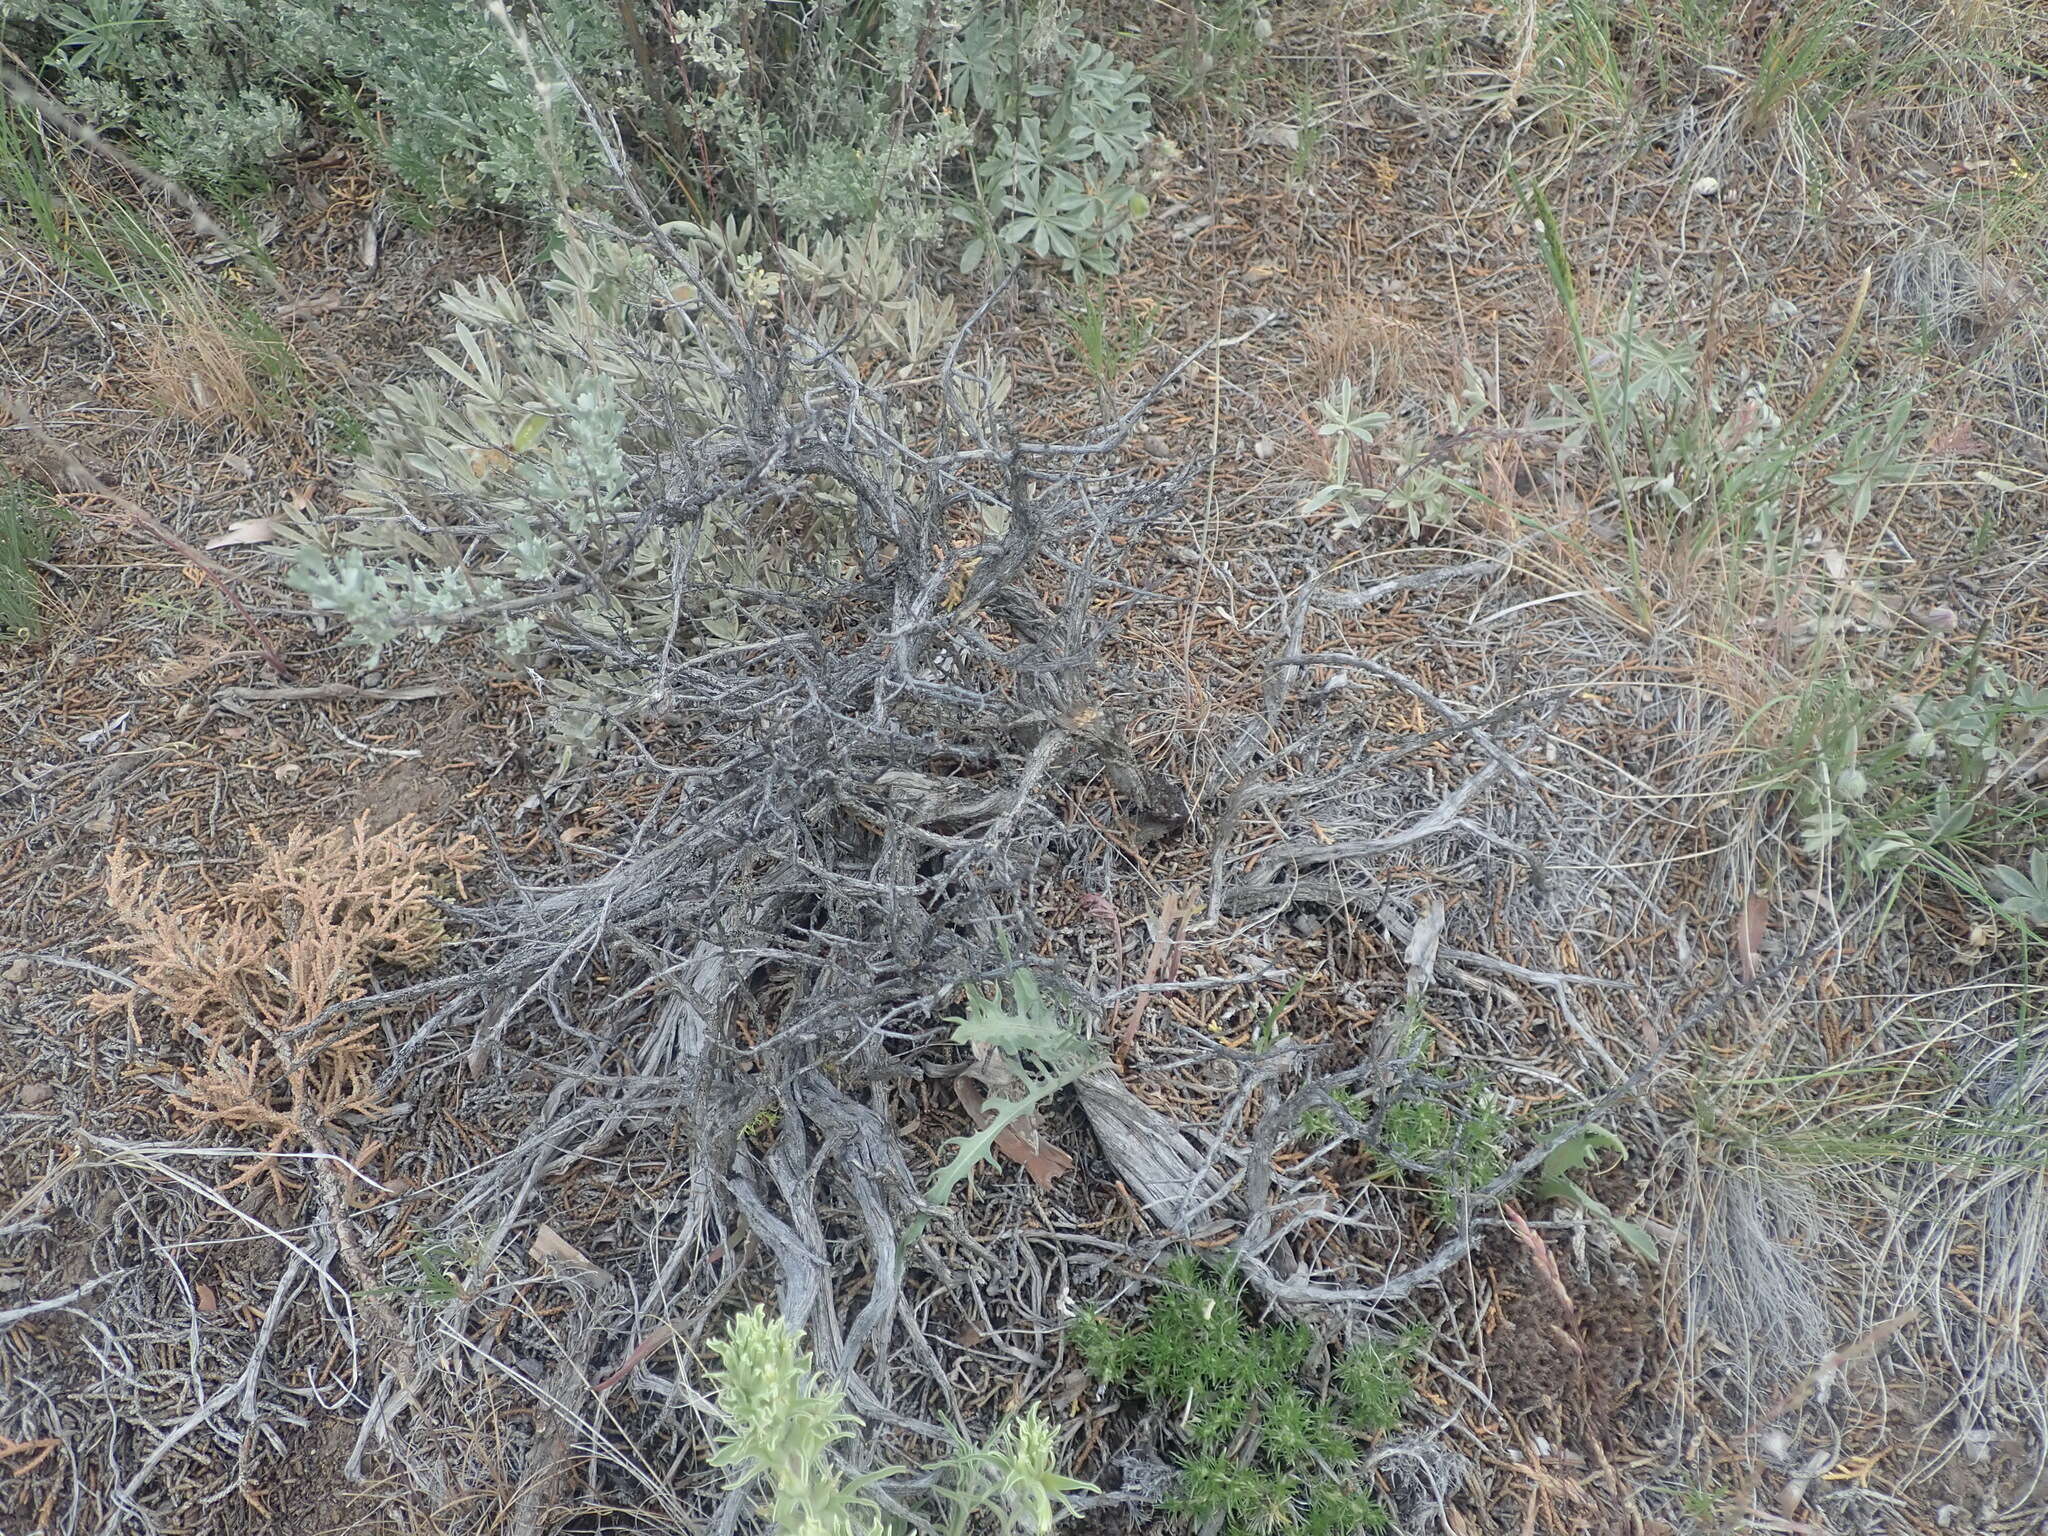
pixel 212 89
pixel 1032 136
pixel 576 480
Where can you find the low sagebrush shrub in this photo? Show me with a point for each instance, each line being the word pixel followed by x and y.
pixel 460 103
pixel 569 482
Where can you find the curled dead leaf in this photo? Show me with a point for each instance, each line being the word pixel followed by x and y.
pixel 1274 136
pixel 549 1245
pixel 1958 440
pixel 1020 1141
pixel 1752 924
pixel 249 530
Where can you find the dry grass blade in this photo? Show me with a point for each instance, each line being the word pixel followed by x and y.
pixel 25 93
pixel 1830 1366
pixel 1541 1257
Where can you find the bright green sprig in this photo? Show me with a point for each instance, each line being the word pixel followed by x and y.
pixel 787 1430
pixel 783 1424
pixel 1272 1447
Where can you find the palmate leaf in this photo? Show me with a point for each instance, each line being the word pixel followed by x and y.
pixel 1052 217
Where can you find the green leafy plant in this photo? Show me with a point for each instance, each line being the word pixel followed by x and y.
pixel 1554 1182
pixel 1271 1441
pixel 1349 429
pixel 786 1431
pixel 2024 893
pixel 1042 1053
pixel 1011 1484
pixel 1447 1139
pixel 840 119
pixel 1031 138
pixel 1874 457
pixel 1919 783
pixel 1069 124
pixel 784 1428
pixel 1429 481
pixel 1267 1034
pixel 1706 1504
pixel 819 115
pixel 1321 1124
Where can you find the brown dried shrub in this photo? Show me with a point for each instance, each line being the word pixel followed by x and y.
pixel 258 975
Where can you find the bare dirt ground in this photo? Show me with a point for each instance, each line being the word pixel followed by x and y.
pixel 1476 806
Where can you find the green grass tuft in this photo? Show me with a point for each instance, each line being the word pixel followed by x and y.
pixel 26 520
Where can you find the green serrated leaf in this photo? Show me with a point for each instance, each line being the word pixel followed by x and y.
pixel 1028 1026
pixel 1002 1113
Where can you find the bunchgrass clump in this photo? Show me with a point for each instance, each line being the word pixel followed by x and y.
pixel 1272 1431
pixel 25 521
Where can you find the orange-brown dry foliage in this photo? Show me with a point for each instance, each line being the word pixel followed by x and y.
pixel 256 975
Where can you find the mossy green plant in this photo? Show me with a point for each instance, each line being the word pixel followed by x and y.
pixel 1451 1137
pixel 1273 1433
